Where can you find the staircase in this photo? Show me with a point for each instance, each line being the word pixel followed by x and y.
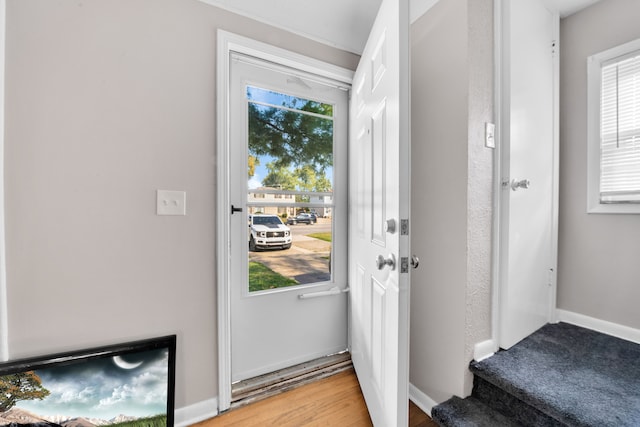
pixel 561 375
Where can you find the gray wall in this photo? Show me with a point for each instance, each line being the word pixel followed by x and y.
pixel 452 71
pixel 107 101
pixel 598 268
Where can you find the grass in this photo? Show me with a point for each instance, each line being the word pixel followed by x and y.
pixel 322 236
pixel 157 421
pixel 262 278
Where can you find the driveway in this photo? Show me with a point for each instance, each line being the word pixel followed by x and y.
pixel 307 261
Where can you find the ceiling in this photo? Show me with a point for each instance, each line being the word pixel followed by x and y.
pixel 344 24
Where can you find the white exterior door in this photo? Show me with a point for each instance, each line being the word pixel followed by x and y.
pixel 528 244
pixel 379 216
pixel 299 312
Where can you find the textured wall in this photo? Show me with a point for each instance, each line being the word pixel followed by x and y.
pixel 480 178
pixel 452 185
pixel 598 265
pixel 106 102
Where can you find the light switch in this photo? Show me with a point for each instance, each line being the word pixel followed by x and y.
pixel 490 135
pixel 171 202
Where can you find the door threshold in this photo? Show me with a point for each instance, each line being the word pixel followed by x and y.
pixel 253 389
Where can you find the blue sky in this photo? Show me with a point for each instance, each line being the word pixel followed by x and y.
pixel 261 172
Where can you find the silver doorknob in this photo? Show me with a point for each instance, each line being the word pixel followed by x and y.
pixel 415 261
pixel 523 183
pixel 381 262
pixel 390 226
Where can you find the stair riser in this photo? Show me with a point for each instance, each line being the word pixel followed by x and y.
pixel 510 405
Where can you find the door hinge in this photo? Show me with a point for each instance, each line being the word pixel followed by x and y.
pixel 404 227
pixel 404 264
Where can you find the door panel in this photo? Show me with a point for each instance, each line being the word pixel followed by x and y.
pixel 379 200
pixel 528 236
pixel 378 175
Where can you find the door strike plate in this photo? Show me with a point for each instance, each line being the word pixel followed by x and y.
pixel 404 227
pixel 404 264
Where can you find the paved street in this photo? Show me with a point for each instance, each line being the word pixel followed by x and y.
pixel 308 259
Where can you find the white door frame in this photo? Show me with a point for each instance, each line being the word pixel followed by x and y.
pixel 501 114
pixel 226 43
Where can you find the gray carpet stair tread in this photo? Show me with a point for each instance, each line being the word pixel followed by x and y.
pixel 469 412
pixel 575 375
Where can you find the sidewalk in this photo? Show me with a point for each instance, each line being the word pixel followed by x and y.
pixel 308 244
pixel 307 261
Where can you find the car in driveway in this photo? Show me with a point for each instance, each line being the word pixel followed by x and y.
pixel 303 218
pixel 267 232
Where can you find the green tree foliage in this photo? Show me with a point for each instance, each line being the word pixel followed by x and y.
pixel 280 177
pixel 20 386
pixel 310 180
pixel 292 138
pixel 303 178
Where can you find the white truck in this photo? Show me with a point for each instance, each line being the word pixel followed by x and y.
pixel 268 231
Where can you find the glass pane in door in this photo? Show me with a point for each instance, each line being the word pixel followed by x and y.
pixel 289 190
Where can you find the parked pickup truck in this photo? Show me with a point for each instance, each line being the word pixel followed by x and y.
pixel 268 231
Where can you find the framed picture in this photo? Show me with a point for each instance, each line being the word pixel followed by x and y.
pixel 125 384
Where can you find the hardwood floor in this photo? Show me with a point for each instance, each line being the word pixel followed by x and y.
pixel 333 401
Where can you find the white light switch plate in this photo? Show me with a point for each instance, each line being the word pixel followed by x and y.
pixel 171 202
pixel 490 135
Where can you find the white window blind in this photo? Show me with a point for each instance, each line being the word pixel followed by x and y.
pixel 620 130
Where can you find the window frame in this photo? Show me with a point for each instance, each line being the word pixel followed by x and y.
pixel 594 82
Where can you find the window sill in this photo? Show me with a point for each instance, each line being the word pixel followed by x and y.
pixel 614 208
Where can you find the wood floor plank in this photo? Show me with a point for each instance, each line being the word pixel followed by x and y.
pixel 333 401
pixel 417 418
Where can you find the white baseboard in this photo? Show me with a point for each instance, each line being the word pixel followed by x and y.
pixel 421 400
pixel 609 328
pixel 195 413
pixel 484 349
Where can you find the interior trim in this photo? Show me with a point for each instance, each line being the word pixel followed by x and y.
pixel 421 400
pixel 484 349
pixel 189 415
pixel 620 331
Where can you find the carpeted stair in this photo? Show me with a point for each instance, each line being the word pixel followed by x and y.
pixel 561 375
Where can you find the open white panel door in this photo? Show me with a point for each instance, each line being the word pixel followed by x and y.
pixel 379 209
pixel 528 225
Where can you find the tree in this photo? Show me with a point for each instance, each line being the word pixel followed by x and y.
pixel 292 137
pixel 279 177
pixel 253 162
pixel 301 179
pixel 20 386
pixel 310 180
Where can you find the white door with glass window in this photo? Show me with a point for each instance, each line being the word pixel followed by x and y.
pixel 379 209
pixel 288 188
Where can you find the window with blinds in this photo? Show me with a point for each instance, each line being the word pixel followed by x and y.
pixel 620 130
pixel 613 168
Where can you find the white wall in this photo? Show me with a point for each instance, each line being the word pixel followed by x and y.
pixel 598 266
pixel 106 102
pixel 452 72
